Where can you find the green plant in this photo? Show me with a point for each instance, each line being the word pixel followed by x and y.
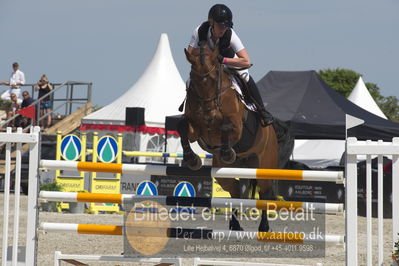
pixel 50 187
pixel 5 104
pixel 50 206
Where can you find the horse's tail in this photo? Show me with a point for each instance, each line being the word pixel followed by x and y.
pixel 249 188
pixel 253 188
pixel 285 147
pixel 285 142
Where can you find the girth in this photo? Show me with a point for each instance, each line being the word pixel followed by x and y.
pixel 249 130
pixel 247 140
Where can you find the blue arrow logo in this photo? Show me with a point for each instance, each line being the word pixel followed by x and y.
pixel 184 189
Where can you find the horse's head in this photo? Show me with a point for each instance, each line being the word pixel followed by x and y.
pixel 204 62
pixel 206 72
pixel 212 108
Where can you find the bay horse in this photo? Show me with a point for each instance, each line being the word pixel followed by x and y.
pixel 215 117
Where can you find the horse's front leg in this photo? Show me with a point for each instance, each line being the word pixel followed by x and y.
pixel 227 153
pixel 190 159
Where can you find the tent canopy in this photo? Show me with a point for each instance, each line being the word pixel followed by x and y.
pixel 317 153
pixel 316 111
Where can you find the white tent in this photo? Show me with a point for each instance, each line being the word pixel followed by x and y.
pixel 362 97
pixel 160 90
pixel 325 152
pixel 318 153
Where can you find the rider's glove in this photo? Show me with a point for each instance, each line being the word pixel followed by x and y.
pixel 220 59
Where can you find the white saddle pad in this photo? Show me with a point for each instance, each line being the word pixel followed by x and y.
pixel 237 88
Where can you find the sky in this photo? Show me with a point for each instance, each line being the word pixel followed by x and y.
pixel 110 43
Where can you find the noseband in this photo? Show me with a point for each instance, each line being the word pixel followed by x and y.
pixel 203 75
pixel 216 96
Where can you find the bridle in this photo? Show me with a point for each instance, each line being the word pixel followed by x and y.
pixel 216 98
pixel 219 89
pixel 203 75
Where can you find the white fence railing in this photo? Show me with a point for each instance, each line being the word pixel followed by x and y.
pixel 369 148
pixel 17 139
pixel 354 148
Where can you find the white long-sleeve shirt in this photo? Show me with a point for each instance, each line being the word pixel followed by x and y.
pixel 17 77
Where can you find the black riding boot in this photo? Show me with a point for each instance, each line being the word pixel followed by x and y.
pixel 266 117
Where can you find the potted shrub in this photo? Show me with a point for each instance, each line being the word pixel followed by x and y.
pixel 50 206
pixel 5 104
pixel 77 207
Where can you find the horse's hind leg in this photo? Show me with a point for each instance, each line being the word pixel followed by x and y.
pixel 190 159
pixel 232 186
pixel 268 160
pixel 265 193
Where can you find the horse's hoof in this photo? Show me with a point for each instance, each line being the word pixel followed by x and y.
pixel 234 225
pixel 193 163
pixel 228 157
pixel 264 225
pixel 264 228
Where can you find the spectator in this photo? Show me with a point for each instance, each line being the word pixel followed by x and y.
pixel 17 79
pixel 46 105
pixel 15 105
pixel 27 100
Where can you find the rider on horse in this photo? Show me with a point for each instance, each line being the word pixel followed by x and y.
pixel 218 31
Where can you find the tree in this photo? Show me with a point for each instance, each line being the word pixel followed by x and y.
pixel 344 80
pixel 341 80
pixel 390 106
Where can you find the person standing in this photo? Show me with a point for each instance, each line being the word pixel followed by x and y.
pixel 46 106
pixel 17 79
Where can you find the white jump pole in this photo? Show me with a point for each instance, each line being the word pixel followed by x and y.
pixel 243 173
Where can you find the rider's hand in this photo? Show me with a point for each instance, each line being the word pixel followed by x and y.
pixel 220 59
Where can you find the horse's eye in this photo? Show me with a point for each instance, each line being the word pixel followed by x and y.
pixel 204 79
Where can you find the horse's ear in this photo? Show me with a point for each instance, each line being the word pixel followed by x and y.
pixel 190 57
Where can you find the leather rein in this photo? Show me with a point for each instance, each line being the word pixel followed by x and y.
pixel 219 91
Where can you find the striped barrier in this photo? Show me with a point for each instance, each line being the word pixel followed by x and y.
pixel 244 173
pixel 162 154
pixel 157 154
pixel 59 256
pixel 315 207
pixel 208 262
pixel 354 148
pixel 183 233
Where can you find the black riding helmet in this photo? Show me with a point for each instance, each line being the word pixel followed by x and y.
pixel 222 15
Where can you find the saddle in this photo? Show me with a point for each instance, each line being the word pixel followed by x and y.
pixel 252 121
pixel 243 86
